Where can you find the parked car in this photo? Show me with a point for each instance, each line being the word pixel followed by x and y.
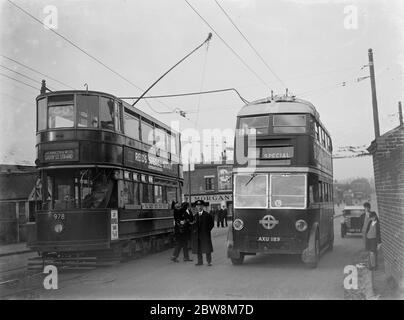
pixel 353 219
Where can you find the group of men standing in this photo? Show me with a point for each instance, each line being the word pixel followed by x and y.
pixel 194 229
pixel 221 216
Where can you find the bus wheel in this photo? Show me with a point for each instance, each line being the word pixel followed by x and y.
pixel 343 231
pixel 238 261
pixel 331 244
pixel 313 264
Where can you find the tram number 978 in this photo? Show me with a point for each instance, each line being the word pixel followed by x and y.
pixel 58 216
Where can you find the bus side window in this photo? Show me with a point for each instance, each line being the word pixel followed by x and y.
pixel 317 131
pixel 311 194
pixel 320 191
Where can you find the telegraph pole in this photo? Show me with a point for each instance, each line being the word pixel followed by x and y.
pixel 374 98
pixel 189 180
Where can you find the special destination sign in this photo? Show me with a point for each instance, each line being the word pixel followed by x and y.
pixel 277 152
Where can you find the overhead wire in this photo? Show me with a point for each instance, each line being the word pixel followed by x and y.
pixel 250 45
pixel 23 75
pixel 22 82
pixel 227 45
pixel 86 53
pixel 36 71
pixel 190 94
pixel 202 82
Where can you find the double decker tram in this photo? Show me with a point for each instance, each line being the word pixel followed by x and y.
pixel 108 174
pixel 282 177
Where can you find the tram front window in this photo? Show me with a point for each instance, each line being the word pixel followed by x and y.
pixel 288 191
pixel 251 191
pixel 86 189
pixel 61 117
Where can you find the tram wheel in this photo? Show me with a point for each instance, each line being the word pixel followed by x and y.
pixel 238 261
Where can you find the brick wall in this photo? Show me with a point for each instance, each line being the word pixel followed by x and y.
pixel 388 164
pixel 198 178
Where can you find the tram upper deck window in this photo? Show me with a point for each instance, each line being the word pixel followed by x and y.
pixel 61 116
pixel 288 191
pixel 173 143
pixel 87 111
pixel 161 139
pixel 131 126
pixel 107 113
pixel 251 191
pixel 289 123
pixel 260 124
pixel 41 114
pixel 147 132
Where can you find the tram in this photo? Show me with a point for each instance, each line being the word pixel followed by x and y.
pixel 282 181
pixel 107 175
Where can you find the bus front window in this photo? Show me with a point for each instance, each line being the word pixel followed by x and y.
pixel 288 191
pixel 257 125
pixel 251 191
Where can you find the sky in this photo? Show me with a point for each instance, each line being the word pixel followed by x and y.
pixel 311 47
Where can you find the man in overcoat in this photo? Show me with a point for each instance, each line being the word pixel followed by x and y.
pixel 201 238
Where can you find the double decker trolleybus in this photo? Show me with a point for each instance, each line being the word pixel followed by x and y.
pixel 282 182
pixel 108 174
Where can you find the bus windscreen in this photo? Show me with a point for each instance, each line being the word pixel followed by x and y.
pixel 251 191
pixel 288 191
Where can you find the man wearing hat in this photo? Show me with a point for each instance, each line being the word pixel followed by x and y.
pixel 182 221
pixel 201 238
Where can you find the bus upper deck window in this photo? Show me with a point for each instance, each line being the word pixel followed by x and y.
pixel 289 123
pixel 260 124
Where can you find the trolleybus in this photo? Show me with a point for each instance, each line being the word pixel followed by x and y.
pixel 282 181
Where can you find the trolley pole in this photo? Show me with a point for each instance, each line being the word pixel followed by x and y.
pixel 374 98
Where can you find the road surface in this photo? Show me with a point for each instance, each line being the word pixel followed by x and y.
pixel 260 277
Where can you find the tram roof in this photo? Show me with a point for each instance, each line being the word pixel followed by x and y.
pixel 127 105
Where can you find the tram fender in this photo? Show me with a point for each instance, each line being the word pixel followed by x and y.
pixel 231 251
pixel 309 255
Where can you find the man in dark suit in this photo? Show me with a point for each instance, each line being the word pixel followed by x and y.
pixel 182 221
pixel 201 238
pixel 223 216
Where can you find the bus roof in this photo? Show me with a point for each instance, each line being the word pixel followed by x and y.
pixel 279 105
pixel 125 104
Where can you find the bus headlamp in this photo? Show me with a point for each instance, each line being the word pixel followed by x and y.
pixel 238 224
pixel 301 225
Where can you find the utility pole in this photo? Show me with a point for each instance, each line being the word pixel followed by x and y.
pixel 189 179
pixel 374 98
pixel 400 113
